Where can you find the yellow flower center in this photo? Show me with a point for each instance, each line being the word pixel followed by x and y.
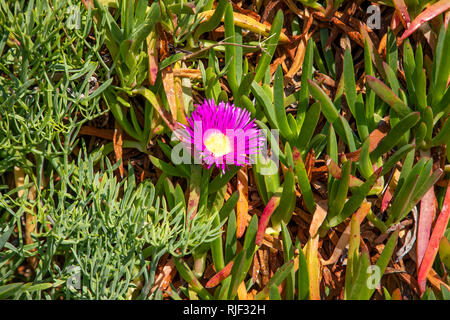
pixel 218 144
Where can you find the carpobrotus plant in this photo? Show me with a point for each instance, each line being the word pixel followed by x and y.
pixel 98 200
pixel 221 135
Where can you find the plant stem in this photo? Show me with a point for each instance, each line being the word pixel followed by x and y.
pixel 30 218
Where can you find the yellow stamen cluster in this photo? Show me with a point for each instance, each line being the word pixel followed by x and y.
pixel 218 144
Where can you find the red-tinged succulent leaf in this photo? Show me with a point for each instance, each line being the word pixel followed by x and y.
pixel 265 217
pixel 396 21
pixel 387 197
pixel 433 245
pixel 355 182
pixel 152 50
pixel 333 168
pixel 427 212
pixel 220 276
pixel 428 14
pixel 336 172
pixel 388 96
pixel 400 5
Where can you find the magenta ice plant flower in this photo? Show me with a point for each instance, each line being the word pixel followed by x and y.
pixel 221 135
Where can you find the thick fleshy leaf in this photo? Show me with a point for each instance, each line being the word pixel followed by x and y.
pixel 271 43
pixel 280 112
pixel 328 108
pixel 427 213
pixel 237 270
pixel 283 212
pixel 386 94
pixel 244 259
pixel 391 139
pixel 265 217
pixel 220 276
pixel 353 252
pixel 371 50
pixel 400 5
pixel 166 167
pixel 383 261
pixel 431 12
pixel 441 69
pixel 364 164
pixel 230 51
pixel 443 136
pixel 156 103
pixel 309 126
pixel 211 19
pixel 404 194
pixel 397 156
pixel 303 94
pixel 194 190
pixel 152 51
pixel 265 101
pixel 230 239
pixel 10 289
pixel 338 201
pixel 349 81
pixel 433 245
pixel 288 254
pixel 303 181
pixel 302 274
pixel 358 196
pixel 444 251
pixel 313 266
